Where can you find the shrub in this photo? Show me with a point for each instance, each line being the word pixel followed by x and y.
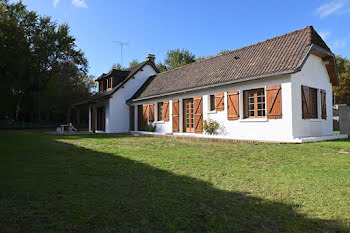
pixel 210 126
pixel 151 128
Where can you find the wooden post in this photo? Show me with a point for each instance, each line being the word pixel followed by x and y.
pixel 78 119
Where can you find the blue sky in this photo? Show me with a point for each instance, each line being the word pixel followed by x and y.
pixel 203 27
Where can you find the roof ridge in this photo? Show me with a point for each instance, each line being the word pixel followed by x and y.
pixel 310 27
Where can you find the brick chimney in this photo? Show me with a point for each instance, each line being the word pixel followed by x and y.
pixel 151 57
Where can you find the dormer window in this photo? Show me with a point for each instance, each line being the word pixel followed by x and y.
pixel 104 85
pixel 109 83
pixel 100 86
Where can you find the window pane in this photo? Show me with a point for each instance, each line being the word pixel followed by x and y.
pixel 261 113
pixel 261 92
pixel 212 103
pixel 160 111
pixel 313 102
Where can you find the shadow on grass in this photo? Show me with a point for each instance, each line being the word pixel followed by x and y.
pixel 64 188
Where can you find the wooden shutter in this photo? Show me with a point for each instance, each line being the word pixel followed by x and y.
pixel 144 115
pixel 305 100
pixel 132 118
pixel 176 115
pixel 323 105
pixel 151 112
pixel 166 111
pixel 274 101
pixel 233 105
pixel 219 101
pixel 198 114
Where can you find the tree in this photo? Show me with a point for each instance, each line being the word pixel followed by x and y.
pixel 176 58
pixel 161 67
pixel 117 66
pixel 41 56
pixel 342 91
pixel 200 58
pixel 343 64
pixel 134 62
pixel 225 51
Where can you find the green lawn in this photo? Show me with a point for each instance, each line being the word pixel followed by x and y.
pixel 111 183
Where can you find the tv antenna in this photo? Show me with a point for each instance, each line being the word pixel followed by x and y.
pixel 121 50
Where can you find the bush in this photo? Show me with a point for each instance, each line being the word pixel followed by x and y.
pixel 210 126
pixel 151 128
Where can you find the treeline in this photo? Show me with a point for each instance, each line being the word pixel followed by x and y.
pixel 342 91
pixel 174 59
pixel 41 70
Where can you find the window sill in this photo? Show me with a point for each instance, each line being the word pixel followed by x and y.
pixel 212 112
pixel 315 120
pixel 254 120
pixel 159 122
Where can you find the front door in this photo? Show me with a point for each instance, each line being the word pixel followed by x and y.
pixel 140 121
pixel 101 118
pixel 188 115
pixel 92 120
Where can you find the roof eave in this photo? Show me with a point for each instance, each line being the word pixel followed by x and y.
pixel 331 67
pixel 92 100
pixel 214 85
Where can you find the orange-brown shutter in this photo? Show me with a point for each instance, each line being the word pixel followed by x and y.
pixel 305 102
pixel 198 114
pixel 274 101
pixel 151 112
pixel 323 105
pixel 166 110
pixel 176 115
pixel 144 114
pixel 219 101
pixel 233 105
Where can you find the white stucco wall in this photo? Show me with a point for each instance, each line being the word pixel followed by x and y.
pixel 247 129
pixel 117 119
pixel 291 126
pixel 313 74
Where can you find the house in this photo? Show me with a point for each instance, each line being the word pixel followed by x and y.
pixel 276 90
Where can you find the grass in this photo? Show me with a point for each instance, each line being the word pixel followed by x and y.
pixel 115 183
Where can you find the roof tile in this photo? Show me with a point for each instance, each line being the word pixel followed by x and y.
pixel 279 54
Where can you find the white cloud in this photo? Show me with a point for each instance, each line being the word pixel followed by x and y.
pixel 345 11
pixel 55 2
pixel 340 43
pixel 79 3
pixel 324 34
pixel 327 9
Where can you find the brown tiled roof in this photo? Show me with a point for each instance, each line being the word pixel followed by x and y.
pixel 281 54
